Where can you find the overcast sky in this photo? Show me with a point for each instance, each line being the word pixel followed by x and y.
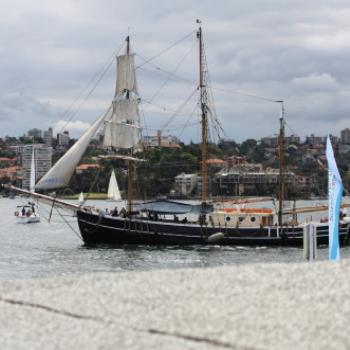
pixel 294 50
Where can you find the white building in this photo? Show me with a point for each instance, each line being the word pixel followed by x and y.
pixel 345 136
pixel 292 140
pixel 63 139
pixel 35 133
pixel 160 140
pixel 186 183
pixel 43 162
pixel 48 136
pixel 271 141
pixel 313 140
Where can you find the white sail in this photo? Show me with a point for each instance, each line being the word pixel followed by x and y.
pixel 121 135
pixel 32 172
pixel 126 79
pixel 123 129
pixel 81 198
pixel 126 110
pixel 113 189
pixel 60 174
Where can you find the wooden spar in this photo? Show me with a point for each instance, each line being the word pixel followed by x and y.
pixel 129 161
pixel 281 168
pixel 241 200
pixel 130 185
pixel 204 121
pixel 121 156
pixel 45 199
pixel 313 209
pixel 127 45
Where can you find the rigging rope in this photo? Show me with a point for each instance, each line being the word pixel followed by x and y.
pixel 69 225
pixel 187 124
pixel 171 74
pixel 179 109
pixel 163 71
pixel 174 126
pixel 165 109
pixel 243 94
pixel 98 77
pixel 165 50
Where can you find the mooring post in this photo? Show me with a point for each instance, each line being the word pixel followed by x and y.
pixel 310 242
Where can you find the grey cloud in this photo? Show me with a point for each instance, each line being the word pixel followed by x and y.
pixel 295 50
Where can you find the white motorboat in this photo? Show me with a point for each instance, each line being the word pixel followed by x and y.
pixel 27 214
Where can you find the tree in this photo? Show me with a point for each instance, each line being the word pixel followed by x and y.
pixel 247 147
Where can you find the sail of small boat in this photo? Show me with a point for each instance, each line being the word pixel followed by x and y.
pixel 113 189
pixel 32 172
pixel 81 199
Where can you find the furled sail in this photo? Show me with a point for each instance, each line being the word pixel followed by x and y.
pixel 121 135
pixel 126 79
pixel 113 189
pixel 32 172
pixel 123 129
pixel 59 175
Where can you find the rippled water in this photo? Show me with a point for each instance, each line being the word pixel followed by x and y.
pixel 47 249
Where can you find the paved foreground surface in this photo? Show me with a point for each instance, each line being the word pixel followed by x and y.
pixel 271 306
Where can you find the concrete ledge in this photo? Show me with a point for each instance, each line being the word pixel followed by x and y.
pixel 269 306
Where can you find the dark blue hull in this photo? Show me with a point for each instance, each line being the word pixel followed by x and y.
pixel 96 229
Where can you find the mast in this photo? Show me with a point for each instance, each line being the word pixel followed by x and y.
pixel 130 185
pixel 281 167
pixel 130 163
pixel 204 120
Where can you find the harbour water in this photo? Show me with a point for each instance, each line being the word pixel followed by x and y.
pixel 47 249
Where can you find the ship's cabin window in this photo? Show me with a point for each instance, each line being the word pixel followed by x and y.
pixel 227 218
pixel 241 218
pixel 253 219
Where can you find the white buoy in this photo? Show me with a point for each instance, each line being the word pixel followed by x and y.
pixel 310 242
pixel 215 237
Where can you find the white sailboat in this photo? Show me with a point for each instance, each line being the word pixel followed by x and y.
pixel 113 189
pixel 28 214
pixel 81 199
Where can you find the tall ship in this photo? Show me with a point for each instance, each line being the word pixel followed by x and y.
pixel 165 222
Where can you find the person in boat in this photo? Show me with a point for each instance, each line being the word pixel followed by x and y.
pixel 23 211
pixel 176 219
pixel 33 209
pixel 123 212
pixel 107 211
pixel 211 220
pixel 114 212
pixel 184 220
pixel 201 220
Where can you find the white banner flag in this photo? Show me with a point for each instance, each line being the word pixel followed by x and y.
pixel 335 192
